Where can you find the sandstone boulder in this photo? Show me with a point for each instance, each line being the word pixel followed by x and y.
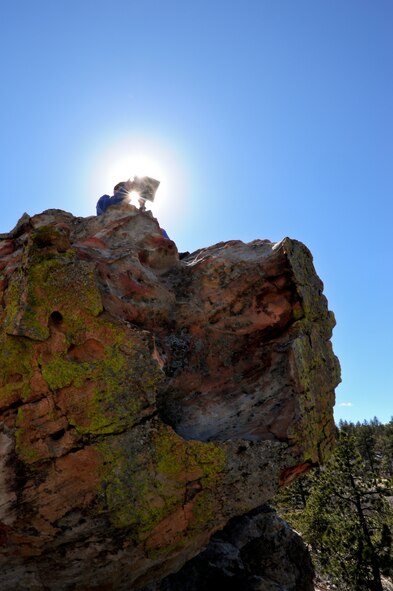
pixel 146 400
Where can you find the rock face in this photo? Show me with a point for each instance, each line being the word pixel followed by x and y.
pixel 146 400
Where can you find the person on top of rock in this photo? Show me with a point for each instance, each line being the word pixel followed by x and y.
pixel 121 195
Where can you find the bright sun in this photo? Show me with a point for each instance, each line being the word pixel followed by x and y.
pixel 135 165
pixel 134 196
pixel 123 159
pixel 124 166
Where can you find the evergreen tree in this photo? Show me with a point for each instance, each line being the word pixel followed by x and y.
pixel 385 447
pixel 343 511
pixel 348 522
pixel 366 435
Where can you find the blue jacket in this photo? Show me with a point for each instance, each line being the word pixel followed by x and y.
pixel 105 201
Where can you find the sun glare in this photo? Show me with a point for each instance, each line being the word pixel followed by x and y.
pixel 125 159
pixel 130 166
pixel 134 196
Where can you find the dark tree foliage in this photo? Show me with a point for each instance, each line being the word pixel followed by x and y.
pixel 343 510
pixel 385 448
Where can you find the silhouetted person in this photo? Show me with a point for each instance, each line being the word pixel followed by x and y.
pixel 121 194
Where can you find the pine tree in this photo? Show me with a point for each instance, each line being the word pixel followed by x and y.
pixel 385 446
pixel 348 522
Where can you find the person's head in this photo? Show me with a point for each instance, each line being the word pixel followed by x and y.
pixel 121 188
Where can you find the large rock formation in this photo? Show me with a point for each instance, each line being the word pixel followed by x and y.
pixel 146 400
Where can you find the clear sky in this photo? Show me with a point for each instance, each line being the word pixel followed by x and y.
pixel 262 119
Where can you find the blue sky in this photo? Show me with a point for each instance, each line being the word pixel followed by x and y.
pixel 261 118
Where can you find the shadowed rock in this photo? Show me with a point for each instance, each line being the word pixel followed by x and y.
pixel 146 400
pixel 255 552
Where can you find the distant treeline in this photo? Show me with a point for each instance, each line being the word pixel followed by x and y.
pixel 344 510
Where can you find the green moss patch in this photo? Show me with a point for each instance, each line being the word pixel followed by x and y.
pixel 16 360
pixel 52 284
pixel 148 474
